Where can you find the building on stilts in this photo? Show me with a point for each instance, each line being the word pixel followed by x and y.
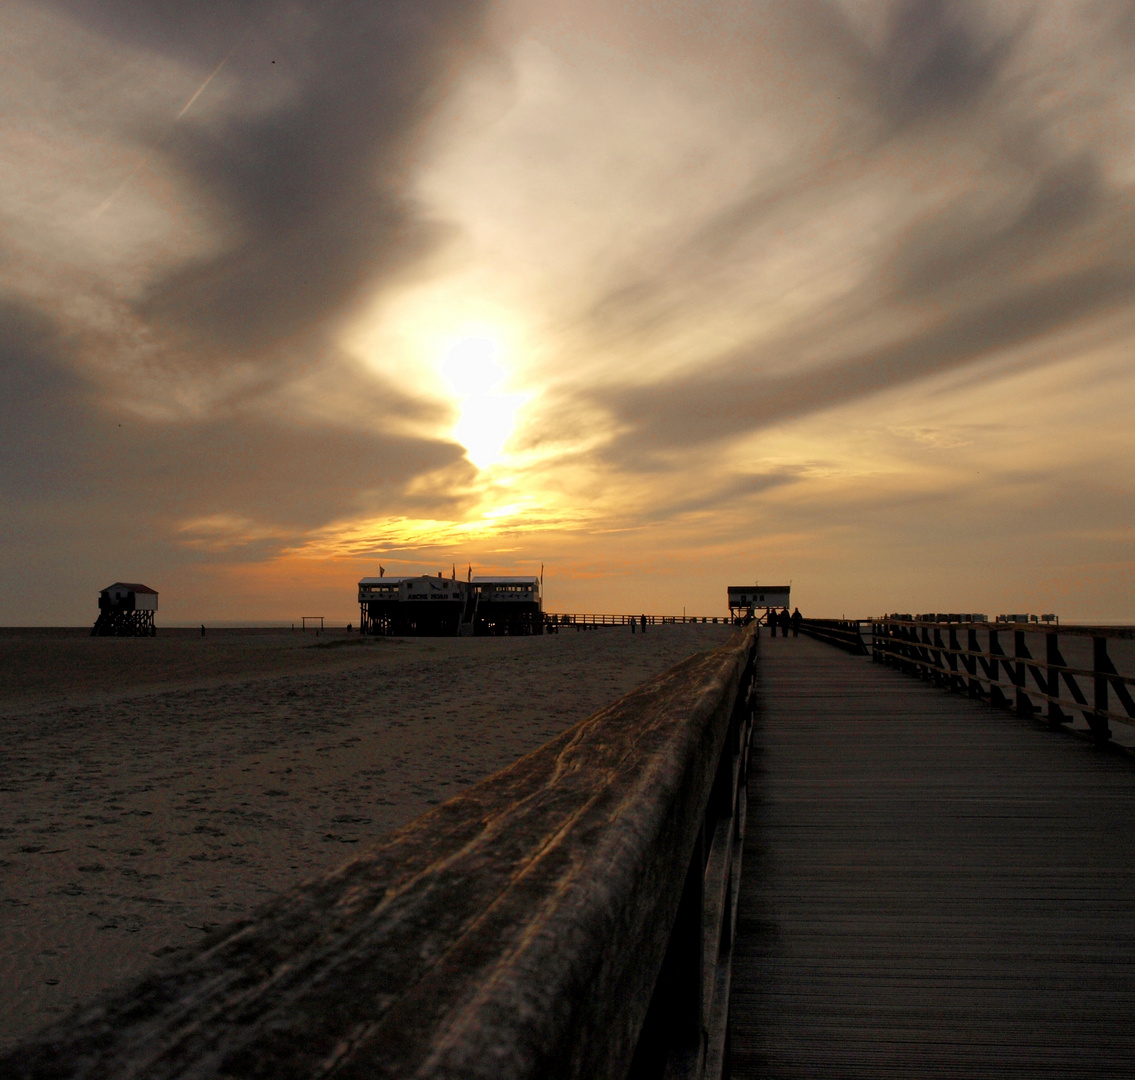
pixel 126 609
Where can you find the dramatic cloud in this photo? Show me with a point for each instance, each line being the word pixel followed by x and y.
pixel 42 401
pixel 304 174
pixel 311 179
pixel 1033 244
pixel 657 295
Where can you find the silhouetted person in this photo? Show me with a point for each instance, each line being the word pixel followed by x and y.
pixel 771 619
pixel 202 629
pixel 795 622
pixel 643 623
pixel 785 621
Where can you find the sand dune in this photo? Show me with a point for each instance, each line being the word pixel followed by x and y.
pixel 154 788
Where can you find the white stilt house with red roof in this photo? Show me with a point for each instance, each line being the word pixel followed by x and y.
pixel 126 609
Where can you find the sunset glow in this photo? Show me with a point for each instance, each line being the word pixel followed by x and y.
pixel 660 297
pixel 472 366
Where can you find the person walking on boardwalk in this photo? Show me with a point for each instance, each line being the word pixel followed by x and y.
pixel 785 621
pixel 795 622
pixel 772 620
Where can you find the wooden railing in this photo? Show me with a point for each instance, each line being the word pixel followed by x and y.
pixel 571 916
pixel 842 633
pixel 598 619
pixel 952 654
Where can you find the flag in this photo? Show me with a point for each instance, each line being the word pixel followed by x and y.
pixel 381 571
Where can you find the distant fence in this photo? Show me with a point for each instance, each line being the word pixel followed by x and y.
pixel 587 619
pixel 570 917
pixel 995 661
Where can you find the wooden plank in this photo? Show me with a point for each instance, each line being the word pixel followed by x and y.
pixel 931 887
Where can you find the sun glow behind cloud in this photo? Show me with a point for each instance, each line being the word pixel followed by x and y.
pixel 472 365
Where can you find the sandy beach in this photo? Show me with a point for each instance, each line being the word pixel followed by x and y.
pixel 152 789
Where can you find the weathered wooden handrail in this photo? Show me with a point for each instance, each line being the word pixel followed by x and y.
pixel 919 648
pixel 570 916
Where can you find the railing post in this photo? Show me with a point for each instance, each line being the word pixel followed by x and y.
pixel 688 1017
pixel 1101 664
pixel 996 694
pixel 974 684
pixel 1052 657
pixel 956 680
pixel 1020 651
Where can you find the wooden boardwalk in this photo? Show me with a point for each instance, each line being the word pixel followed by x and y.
pixel 932 887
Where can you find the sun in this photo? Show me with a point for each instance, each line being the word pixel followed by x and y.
pixel 472 366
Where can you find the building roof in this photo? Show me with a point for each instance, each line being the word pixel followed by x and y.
pixel 397 578
pixel 131 586
pixel 482 580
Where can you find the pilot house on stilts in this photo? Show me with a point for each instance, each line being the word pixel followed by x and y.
pixel 414 606
pixel 449 607
pixel 746 600
pixel 126 609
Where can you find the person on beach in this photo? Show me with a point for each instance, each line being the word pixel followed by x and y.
pixel 796 620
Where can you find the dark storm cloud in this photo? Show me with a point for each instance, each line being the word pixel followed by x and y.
pixel 63 439
pixel 42 403
pixel 991 269
pixel 937 57
pixel 734 399
pixel 296 477
pixel 306 168
pixel 937 63
pixel 311 179
pixel 734 492
pixel 934 55
pixel 959 243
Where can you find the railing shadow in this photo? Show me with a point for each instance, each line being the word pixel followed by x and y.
pixel 842 633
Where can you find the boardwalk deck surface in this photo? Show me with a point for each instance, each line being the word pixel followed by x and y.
pixel 932 887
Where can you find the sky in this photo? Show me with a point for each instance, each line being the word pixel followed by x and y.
pixel 661 296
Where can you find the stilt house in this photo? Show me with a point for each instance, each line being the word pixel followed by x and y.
pixel 126 609
pixel 414 606
pixel 744 600
pixel 440 606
